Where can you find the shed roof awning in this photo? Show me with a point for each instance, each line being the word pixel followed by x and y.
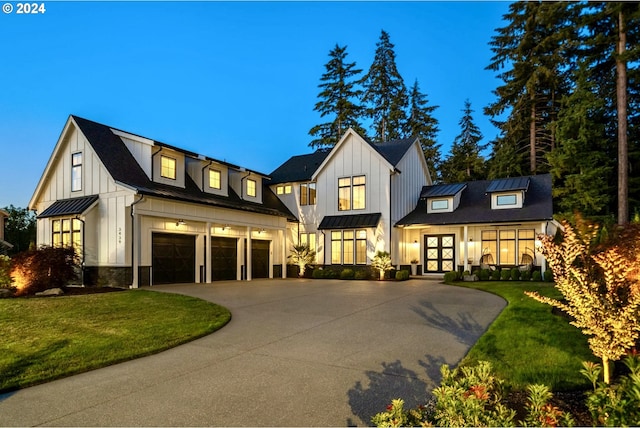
pixel 73 206
pixel 355 221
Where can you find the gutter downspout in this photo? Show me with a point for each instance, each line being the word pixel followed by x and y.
pixel 394 171
pixel 134 266
pixel 203 168
pixel 153 156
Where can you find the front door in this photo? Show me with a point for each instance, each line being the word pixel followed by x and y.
pixel 439 253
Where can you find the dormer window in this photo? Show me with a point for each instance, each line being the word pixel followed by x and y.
pixel 251 187
pixel 215 179
pixel 506 200
pixel 439 204
pixel 168 167
pixel 508 193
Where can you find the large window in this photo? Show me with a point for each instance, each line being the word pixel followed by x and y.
pixel 251 187
pixel 307 193
pixel 508 247
pixel 489 247
pixel 76 172
pixel 308 239
pixel 167 167
pixel 215 179
pixel 526 246
pixel 349 247
pixel 352 193
pixel 66 233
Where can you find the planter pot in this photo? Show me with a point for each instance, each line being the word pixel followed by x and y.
pixel 414 269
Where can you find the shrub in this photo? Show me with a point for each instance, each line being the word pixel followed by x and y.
pixel 382 262
pixel 495 275
pixel 526 275
pixel 515 274
pixel 450 276
pixel 548 275
pixel 476 272
pixel 619 404
pixel 318 273
pixel 466 273
pixel 5 270
pixel 347 274
pixel 43 268
pixel 362 274
pixel 485 274
pixel 505 274
pixel 396 416
pixel 402 275
pixel 536 276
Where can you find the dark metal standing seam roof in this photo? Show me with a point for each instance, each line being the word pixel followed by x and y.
pixel 73 206
pixel 298 168
pixel 442 190
pixel 352 221
pixel 508 184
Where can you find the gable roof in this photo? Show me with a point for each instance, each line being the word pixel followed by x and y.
pixel 304 167
pixel 475 206
pixel 299 168
pixel 125 170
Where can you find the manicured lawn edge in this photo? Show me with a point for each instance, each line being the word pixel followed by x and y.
pixel 44 339
pixel 527 343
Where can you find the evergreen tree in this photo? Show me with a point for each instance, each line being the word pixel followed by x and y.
pixel 423 125
pixel 465 161
pixel 338 100
pixel 385 95
pixel 538 47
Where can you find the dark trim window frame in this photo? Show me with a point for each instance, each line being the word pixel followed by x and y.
pixel 349 247
pixel 76 171
pixel 352 193
pixel 168 167
pixel 308 193
pixel 251 187
pixel 215 179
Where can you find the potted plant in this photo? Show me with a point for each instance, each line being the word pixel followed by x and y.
pixel 414 266
pixel 382 262
pixel 302 256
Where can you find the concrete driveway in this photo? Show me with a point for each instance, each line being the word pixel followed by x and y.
pixel 296 353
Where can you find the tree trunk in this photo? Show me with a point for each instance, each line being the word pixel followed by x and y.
pixel 605 370
pixel 532 135
pixel 621 100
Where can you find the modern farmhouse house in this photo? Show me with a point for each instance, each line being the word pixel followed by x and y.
pixel 142 212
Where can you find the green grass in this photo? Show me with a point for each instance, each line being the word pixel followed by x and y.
pixel 48 338
pixel 527 343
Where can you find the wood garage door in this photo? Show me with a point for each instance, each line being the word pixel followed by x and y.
pixel 224 258
pixel 259 258
pixel 173 258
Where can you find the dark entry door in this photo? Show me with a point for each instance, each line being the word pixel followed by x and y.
pixel 259 258
pixel 439 253
pixel 173 258
pixel 224 258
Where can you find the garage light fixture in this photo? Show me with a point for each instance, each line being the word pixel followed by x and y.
pixel 180 223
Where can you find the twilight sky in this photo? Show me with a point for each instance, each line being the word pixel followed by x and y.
pixel 235 81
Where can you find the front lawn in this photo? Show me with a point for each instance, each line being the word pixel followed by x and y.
pixel 48 338
pixel 527 343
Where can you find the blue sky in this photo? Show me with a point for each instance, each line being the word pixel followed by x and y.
pixel 236 81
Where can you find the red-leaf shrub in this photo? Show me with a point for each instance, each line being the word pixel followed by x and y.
pixel 43 268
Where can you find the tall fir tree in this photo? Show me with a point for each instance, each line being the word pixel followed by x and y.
pixel 385 94
pixel 465 161
pixel 537 46
pixel 338 99
pixel 422 124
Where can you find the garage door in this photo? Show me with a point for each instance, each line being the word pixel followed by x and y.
pixel 259 258
pixel 173 258
pixel 224 258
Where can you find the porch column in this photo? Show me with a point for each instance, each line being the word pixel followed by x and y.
pixel 135 250
pixel 283 244
pixel 543 265
pixel 207 255
pixel 466 248
pixel 247 263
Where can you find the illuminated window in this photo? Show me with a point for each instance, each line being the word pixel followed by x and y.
pixel 307 193
pixel 359 191
pixel 336 247
pixel 526 246
pixel 76 172
pixel 347 247
pixel 280 190
pixel 167 167
pixel 361 247
pixel 66 233
pixel 489 247
pixel 251 187
pixel 287 189
pixel 507 247
pixel 215 179
pixel 344 194
pixel 308 239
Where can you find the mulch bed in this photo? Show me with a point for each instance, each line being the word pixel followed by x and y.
pixel 572 402
pixel 77 291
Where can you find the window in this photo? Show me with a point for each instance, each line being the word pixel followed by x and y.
pixel 280 190
pixel 344 194
pixel 308 239
pixel 66 233
pixel 215 179
pixel 251 187
pixel 502 200
pixel 287 189
pixel 526 246
pixel 440 204
pixel 307 193
pixel 489 247
pixel 168 167
pixel 352 193
pixel 349 247
pixel 76 172
pixel 507 247
pixel 336 247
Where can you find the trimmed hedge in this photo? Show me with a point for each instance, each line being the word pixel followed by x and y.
pixel 402 275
